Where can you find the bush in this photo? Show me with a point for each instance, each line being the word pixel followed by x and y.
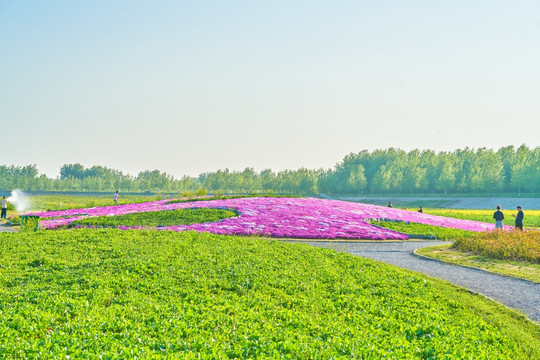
pixel 185 194
pixel 501 244
pixel 15 220
pixel 219 193
pixel 201 192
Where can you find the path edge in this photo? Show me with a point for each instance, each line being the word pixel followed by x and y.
pixel 473 267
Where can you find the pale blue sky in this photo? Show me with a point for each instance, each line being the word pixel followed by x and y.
pixel 193 86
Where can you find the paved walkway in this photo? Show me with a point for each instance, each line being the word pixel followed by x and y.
pixel 515 293
pixel 6 228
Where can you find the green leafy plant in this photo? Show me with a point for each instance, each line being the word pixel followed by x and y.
pixel 30 223
pixel 108 293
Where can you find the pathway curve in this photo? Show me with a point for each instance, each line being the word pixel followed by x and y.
pixel 6 228
pixel 515 293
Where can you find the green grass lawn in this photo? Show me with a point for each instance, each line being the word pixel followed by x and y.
pixel 532 217
pixel 520 269
pixel 154 294
pixel 159 218
pixel 64 202
pixel 416 229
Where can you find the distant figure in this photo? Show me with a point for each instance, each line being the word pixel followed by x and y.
pixel 389 204
pixel 519 218
pixel 498 216
pixel 116 197
pixel 420 210
pixel 4 208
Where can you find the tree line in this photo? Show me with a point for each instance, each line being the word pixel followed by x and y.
pixel 385 171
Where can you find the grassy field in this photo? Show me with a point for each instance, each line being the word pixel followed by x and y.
pixel 158 218
pixel 64 202
pixel 532 217
pixel 447 253
pixel 415 229
pixel 119 294
pixel 505 245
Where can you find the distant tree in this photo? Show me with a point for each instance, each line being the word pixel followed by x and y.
pixel 507 155
pixel 75 171
pixel 356 182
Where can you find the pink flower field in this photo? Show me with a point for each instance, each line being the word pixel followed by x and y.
pixel 308 218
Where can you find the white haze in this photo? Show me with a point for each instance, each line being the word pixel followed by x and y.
pixel 20 200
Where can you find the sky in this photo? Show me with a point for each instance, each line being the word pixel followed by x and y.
pixel 188 87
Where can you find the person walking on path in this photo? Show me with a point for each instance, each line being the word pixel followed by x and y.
pixel 519 218
pixel 4 208
pixel 498 216
pixel 116 197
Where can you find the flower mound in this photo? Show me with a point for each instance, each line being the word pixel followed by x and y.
pixel 280 217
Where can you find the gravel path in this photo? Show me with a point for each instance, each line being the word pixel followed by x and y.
pixel 6 228
pixel 515 293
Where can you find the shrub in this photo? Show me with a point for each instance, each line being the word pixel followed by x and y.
pixel 15 220
pixel 514 245
pixel 185 194
pixel 201 192
pixel 219 193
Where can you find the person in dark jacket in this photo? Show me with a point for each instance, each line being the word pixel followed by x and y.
pixel 519 218
pixel 498 216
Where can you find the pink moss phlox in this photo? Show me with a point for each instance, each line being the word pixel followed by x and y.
pixel 280 217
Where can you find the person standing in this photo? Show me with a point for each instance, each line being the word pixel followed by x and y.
pixel 4 208
pixel 498 216
pixel 116 197
pixel 389 204
pixel 519 218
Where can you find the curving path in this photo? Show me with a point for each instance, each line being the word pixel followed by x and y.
pixel 515 293
pixel 6 228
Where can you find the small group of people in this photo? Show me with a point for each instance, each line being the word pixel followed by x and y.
pixel 4 208
pixel 420 210
pixel 499 217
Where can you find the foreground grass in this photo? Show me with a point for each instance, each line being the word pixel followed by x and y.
pixel 416 229
pixel 447 253
pixel 111 293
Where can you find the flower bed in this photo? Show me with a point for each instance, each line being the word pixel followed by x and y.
pixel 279 217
